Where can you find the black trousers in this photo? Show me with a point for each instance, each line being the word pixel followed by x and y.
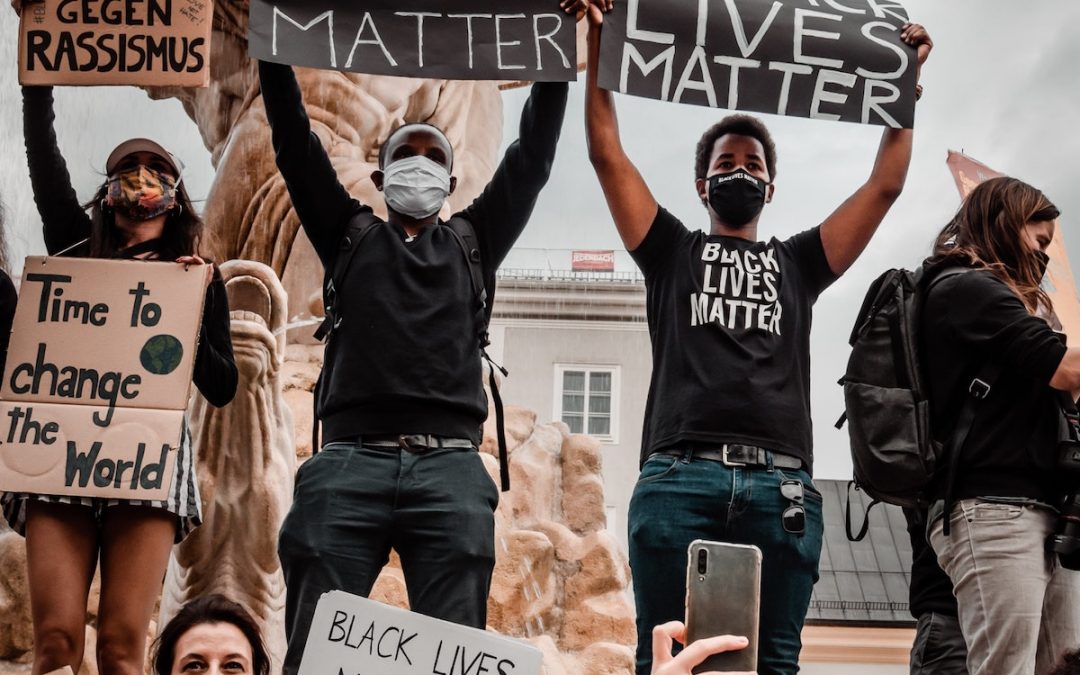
pixel 939 647
pixel 353 504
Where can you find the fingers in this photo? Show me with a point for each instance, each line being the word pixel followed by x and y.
pixel 662 637
pixel 698 651
pixel 596 13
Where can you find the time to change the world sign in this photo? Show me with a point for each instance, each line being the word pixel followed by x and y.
pixel 98 376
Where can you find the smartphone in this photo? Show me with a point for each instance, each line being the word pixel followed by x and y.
pixel 723 597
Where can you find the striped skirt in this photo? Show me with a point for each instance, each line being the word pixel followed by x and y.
pixel 183 500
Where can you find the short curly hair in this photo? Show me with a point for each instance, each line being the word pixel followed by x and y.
pixel 1069 665
pixel 740 125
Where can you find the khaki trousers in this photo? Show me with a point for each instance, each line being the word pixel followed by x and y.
pixel 1019 609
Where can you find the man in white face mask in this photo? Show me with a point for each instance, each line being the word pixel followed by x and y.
pixel 401 399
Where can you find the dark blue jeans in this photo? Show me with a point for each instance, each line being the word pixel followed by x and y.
pixel 353 504
pixel 677 501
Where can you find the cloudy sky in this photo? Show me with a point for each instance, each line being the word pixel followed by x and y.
pixel 1001 85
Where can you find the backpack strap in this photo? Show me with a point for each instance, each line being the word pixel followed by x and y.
pixel 978 390
pixel 359 227
pixel 465 236
pixel 866 514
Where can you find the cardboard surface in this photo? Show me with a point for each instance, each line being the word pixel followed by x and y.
pixel 98 373
pixel 356 636
pixel 451 39
pixel 832 60
pixel 124 42
pixel 58 450
pixel 1060 283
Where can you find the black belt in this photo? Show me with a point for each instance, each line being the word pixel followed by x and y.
pixel 413 442
pixel 736 455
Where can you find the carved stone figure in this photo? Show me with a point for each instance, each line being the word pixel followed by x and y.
pixel 248 212
pixel 245 462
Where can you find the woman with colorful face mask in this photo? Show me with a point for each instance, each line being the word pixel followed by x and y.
pixel 141 211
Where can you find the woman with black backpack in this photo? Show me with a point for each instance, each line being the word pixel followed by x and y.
pixel 986 333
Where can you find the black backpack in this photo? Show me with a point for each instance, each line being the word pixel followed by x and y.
pixel 895 456
pixel 483 289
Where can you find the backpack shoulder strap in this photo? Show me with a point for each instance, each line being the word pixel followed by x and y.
pixel 359 227
pixel 465 237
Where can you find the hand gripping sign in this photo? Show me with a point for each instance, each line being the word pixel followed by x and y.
pixel 98 376
pixel 450 39
pixel 125 42
pixel 351 635
pixel 823 59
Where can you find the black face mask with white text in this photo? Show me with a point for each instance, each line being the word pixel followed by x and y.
pixel 737 197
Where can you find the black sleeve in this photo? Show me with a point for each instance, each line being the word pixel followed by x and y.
pixel 321 202
pixel 980 312
pixel 8 300
pixel 656 249
pixel 809 254
pixel 501 211
pixel 63 218
pixel 216 375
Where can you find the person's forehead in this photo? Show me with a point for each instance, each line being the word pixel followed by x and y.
pixel 417 137
pixel 145 157
pixel 213 638
pixel 738 144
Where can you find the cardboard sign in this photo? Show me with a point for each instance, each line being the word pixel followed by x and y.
pixel 351 635
pixel 828 59
pixel 451 39
pixel 98 376
pixel 124 42
pixel 592 261
pixel 1060 284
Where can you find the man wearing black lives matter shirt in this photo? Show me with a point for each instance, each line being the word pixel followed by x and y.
pixel 727 444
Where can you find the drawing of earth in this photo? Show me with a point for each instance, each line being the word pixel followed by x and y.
pixel 161 354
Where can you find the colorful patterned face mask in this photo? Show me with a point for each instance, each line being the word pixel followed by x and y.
pixel 141 193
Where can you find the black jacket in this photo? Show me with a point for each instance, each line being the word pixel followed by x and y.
pixel 405 357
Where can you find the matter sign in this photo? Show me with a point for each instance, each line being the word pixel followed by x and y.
pixel 98 376
pixel 130 42
pixel 463 39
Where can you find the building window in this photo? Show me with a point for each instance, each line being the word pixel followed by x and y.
pixel 586 399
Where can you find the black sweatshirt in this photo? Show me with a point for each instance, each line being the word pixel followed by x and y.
pixel 66 223
pixel 971 319
pixel 405 358
pixel 8 300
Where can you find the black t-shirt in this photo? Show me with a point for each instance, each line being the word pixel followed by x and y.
pixel 968 320
pixel 8 300
pixel 730 327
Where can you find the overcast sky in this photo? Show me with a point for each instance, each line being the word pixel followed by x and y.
pixel 1001 85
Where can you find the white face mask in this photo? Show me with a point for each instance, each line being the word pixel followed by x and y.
pixel 416 186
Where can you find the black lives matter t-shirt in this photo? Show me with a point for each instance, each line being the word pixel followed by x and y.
pixel 730 326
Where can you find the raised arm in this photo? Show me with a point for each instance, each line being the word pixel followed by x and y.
pixel 320 201
pixel 64 220
pixel 501 211
pixel 629 199
pixel 846 233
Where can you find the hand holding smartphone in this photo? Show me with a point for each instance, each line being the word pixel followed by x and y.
pixel 723 597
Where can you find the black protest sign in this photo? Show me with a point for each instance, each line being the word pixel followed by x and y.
pixel 98 376
pixel 455 39
pixel 115 42
pixel 822 59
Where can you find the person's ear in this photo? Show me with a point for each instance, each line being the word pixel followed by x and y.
pixel 770 189
pixel 377 178
pixel 702 187
pixel 453 185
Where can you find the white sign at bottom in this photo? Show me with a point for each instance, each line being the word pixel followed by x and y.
pixel 351 635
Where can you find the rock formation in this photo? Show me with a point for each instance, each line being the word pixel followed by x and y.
pixel 246 461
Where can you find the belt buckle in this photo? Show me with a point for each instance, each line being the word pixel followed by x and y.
pixel 728 462
pixel 403 442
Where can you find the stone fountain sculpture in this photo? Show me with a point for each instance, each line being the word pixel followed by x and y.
pixel 245 463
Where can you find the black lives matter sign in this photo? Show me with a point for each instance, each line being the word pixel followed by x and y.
pixel 454 39
pixel 822 59
pixel 98 376
pixel 115 42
